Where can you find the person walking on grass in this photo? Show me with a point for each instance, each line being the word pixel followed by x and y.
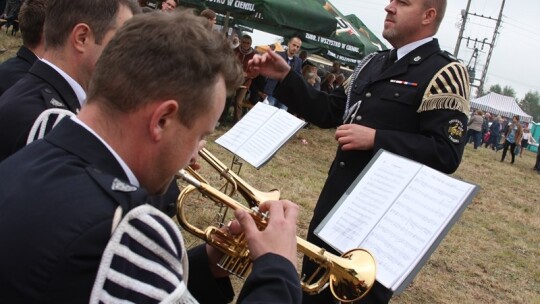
pixel 513 136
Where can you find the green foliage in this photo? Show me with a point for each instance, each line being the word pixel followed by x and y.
pixel 509 91
pixel 531 104
pixel 506 91
pixel 496 88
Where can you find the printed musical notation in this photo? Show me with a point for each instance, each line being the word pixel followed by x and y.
pixel 398 210
pixel 260 133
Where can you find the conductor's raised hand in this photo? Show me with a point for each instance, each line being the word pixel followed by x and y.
pixel 269 65
pixel 279 236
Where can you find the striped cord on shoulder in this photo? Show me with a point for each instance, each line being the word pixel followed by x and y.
pixel 449 89
pixel 144 262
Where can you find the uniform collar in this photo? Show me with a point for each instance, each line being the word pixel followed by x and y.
pixel 406 49
pixel 27 55
pixel 75 139
pixel 77 88
pixel 131 176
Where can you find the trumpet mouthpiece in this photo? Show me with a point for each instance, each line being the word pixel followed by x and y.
pixel 188 178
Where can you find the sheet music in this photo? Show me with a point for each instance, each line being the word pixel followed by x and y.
pixel 246 127
pixel 396 211
pixel 270 137
pixel 368 201
pixel 260 133
pixel 415 219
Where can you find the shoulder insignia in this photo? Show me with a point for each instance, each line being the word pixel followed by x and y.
pixel 56 103
pixel 456 131
pixel 119 185
pixel 448 55
pixel 449 89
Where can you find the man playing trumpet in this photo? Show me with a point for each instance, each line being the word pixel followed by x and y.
pixel 64 196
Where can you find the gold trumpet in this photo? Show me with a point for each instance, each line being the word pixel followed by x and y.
pixel 350 276
pixel 253 196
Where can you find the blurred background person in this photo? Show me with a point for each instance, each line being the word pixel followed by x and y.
pixel 328 83
pixel 31 19
pixel 169 5
pixel 293 47
pixel 211 16
pixel 513 136
pixel 474 128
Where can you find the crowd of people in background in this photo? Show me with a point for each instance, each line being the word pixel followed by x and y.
pixel 499 133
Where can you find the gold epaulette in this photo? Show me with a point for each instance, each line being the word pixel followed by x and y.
pixel 449 89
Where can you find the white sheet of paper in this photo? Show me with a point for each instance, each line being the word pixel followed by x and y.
pixel 396 212
pixel 368 201
pixel 260 133
pixel 246 127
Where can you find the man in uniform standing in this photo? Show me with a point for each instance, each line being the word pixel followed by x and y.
pixel 75 32
pixel 412 101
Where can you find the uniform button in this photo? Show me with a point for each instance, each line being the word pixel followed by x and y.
pixel 342 164
pixel 396 94
pixel 356 86
pixel 368 94
pixel 358 118
pixel 47 90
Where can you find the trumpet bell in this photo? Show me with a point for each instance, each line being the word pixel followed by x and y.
pixel 355 277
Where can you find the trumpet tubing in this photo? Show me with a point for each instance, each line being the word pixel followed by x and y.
pixel 350 276
pixel 253 196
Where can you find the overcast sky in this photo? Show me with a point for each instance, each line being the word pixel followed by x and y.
pixel 516 57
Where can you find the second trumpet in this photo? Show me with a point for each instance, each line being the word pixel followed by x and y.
pixel 350 276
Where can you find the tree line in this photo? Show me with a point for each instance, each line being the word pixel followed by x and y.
pixel 530 103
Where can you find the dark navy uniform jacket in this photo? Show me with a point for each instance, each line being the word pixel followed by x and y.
pixel 58 196
pixel 15 68
pixel 418 107
pixel 42 88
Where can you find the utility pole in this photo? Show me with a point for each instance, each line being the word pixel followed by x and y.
pixel 478 82
pixel 462 29
pixel 495 33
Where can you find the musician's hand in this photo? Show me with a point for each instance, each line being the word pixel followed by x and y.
pixel 194 163
pixel 269 65
pixel 279 237
pixel 355 137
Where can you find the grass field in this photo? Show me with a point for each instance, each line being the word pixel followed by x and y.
pixel 492 253
pixel 10 43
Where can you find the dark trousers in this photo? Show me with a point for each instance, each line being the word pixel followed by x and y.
pixel 476 136
pixel 537 165
pixel 493 141
pixel 512 150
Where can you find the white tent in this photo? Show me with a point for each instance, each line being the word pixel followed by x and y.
pixel 500 105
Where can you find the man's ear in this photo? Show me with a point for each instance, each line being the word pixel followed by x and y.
pixel 80 36
pixel 429 16
pixel 163 115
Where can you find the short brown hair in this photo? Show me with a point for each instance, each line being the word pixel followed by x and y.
pixel 100 15
pixel 440 7
pixel 208 14
pixel 159 56
pixel 31 19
